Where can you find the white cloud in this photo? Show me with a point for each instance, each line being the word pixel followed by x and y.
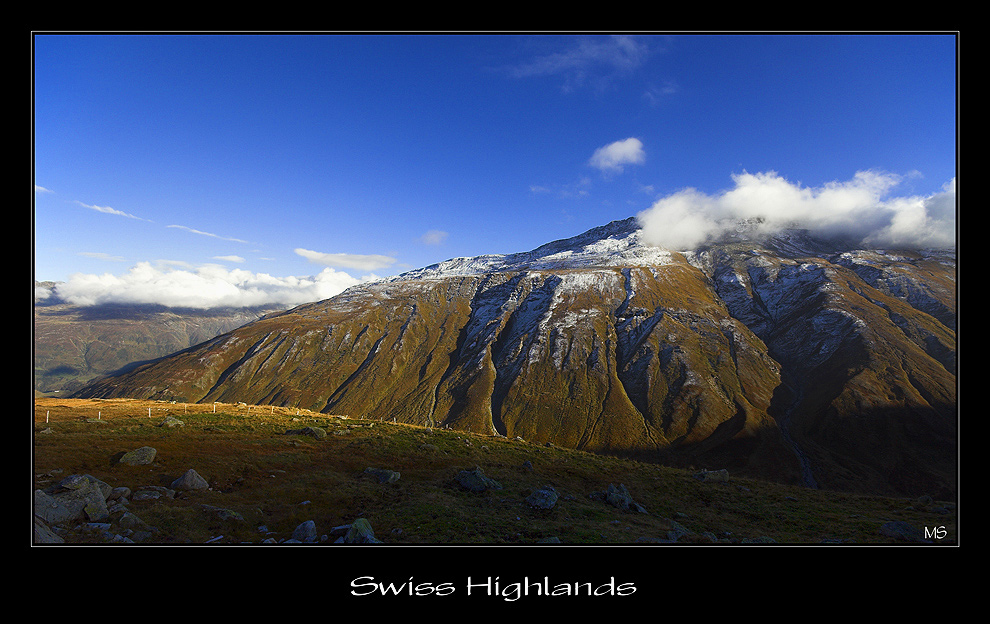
pixel 576 190
pixel 109 210
pixel 352 261
pixel 99 255
pixel 614 156
pixel 857 208
pixel 201 233
pixel 588 61
pixel 229 258
pixel 433 237
pixel 655 95
pixel 206 287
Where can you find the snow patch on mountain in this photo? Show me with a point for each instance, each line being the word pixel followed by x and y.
pixel 617 244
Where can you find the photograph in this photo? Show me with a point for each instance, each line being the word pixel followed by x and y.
pixel 534 296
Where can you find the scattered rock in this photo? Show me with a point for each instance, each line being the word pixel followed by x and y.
pixel 382 475
pixel 544 498
pixel 305 533
pixel 44 535
pixel 170 422
pixel 903 531
pixel 619 498
pixel 314 432
pixel 191 480
pixel 713 476
pixel 74 498
pixel 476 480
pixel 80 503
pixel 360 532
pixel 118 493
pixel 222 513
pixel 138 457
pixel 152 492
pixel 128 520
pixel 928 505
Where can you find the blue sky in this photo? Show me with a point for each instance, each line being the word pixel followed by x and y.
pixel 232 169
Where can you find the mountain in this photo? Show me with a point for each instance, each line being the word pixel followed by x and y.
pixel 789 358
pixel 75 344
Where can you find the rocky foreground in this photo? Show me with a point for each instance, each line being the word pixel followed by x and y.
pixel 443 487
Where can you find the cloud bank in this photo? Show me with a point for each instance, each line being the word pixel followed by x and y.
pixel 860 208
pixel 209 286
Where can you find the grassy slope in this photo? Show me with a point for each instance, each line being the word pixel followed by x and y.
pixel 281 480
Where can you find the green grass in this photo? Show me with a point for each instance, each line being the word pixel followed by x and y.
pixel 280 481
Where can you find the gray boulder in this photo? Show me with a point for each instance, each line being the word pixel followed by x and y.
pixel 305 533
pixel 713 476
pixel 138 457
pixel 360 532
pixel 127 520
pixel 44 535
pixel 544 498
pixel 119 493
pixel 76 497
pixel 191 480
pixel 618 497
pixel 223 514
pixel 382 475
pixel 152 492
pixel 51 510
pixel 476 480
pixel 314 432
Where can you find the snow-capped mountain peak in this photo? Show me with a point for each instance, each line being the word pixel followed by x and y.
pixel 615 244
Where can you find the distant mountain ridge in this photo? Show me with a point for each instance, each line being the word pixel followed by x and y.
pixel 73 345
pixel 789 358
